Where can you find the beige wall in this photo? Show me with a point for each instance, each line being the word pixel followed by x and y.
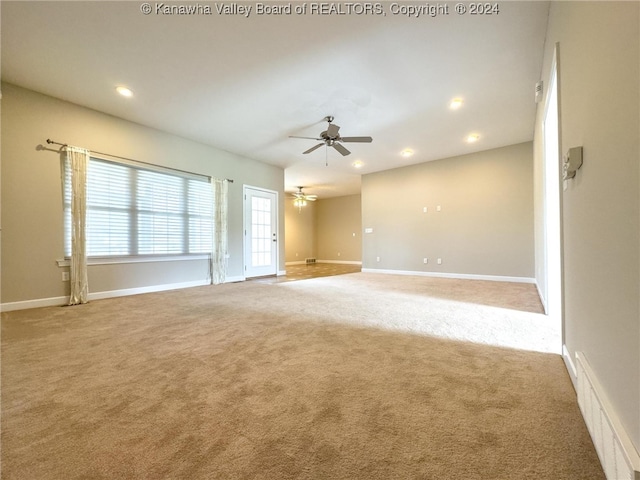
pixel 599 110
pixel 300 231
pixel 339 229
pixel 484 227
pixel 328 230
pixel 32 235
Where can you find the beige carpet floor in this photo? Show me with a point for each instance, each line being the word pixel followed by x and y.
pixel 359 376
pixel 307 271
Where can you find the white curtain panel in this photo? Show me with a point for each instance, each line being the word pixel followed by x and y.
pixel 78 161
pixel 219 248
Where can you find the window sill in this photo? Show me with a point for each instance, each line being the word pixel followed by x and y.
pixel 65 262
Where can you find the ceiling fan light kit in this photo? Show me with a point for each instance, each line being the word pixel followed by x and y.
pixel 300 199
pixel 331 138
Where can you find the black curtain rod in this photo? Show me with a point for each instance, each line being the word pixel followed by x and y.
pixel 50 142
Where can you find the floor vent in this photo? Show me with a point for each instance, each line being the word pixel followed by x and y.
pixel 310 260
pixel 618 456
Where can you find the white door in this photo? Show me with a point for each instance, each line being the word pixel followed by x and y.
pixel 260 232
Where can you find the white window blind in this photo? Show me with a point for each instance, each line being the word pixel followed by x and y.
pixel 134 211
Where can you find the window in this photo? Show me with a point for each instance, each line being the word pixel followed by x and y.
pixel 135 211
pixel 260 232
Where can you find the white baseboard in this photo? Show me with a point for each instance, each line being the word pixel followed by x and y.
pixel 618 456
pixel 151 289
pixel 571 368
pixel 38 303
pixel 58 301
pixel 341 262
pixel 460 276
pixel 238 278
pixel 542 299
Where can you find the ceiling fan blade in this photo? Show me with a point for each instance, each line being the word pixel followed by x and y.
pixel 356 139
pixel 306 138
pixel 332 130
pixel 313 148
pixel 311 198
pixel 341 149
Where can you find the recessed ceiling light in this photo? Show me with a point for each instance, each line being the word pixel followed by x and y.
pixel 124 91
pixel 474 137
pixel 358 164
pixel 455 103
pixel 407 152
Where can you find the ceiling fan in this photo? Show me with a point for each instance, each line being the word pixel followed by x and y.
pixel 331 138
pixel 300 199
pixel 299 195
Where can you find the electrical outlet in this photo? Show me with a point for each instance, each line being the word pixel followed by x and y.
pixel 439 261
pixel 425 260
pixel 425 209
pixel 338 253
pixel 377 259
pixel 65 276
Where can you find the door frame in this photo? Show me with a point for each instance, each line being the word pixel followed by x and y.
pixel 245 218
pixel 553 188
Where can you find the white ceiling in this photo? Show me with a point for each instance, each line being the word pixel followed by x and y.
pixel 246 84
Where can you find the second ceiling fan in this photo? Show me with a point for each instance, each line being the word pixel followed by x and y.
pixel 331 138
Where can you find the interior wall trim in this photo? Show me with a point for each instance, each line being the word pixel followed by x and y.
pixel 341 262
pixel 620 460
pixel 542 299
pixel 571 367
pixel 459 276
pixel 61 301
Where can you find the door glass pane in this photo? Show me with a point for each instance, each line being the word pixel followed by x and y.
pixel 261 231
